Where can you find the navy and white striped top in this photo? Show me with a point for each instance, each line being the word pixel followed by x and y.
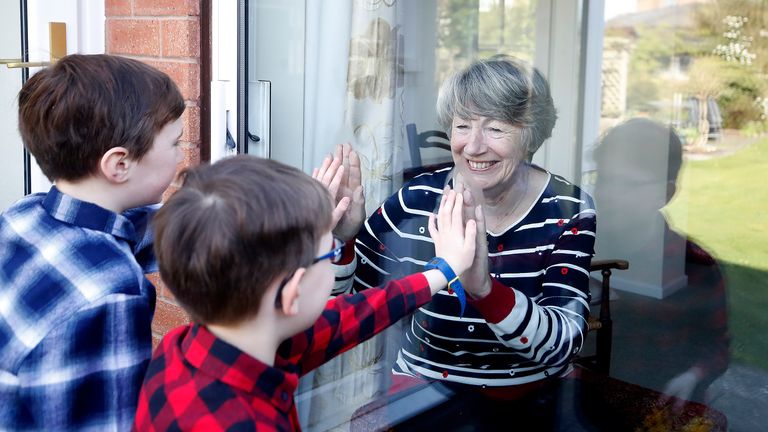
pixel 533 321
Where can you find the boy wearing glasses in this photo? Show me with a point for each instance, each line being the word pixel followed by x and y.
pixel 246 248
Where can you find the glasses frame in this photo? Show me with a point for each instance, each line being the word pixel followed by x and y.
pixel 334 255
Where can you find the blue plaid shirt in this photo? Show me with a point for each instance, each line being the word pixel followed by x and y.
pixel 75 313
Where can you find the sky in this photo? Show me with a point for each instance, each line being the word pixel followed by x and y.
pixel 618 7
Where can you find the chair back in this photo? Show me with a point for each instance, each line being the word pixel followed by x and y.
pixel 417 141
pixel 602 325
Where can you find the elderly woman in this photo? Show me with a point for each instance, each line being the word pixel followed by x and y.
pixel 527 291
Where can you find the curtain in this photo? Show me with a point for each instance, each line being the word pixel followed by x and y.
pixel 354 92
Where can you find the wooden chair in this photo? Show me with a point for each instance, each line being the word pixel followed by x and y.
pixel 602 325
pixel 427 139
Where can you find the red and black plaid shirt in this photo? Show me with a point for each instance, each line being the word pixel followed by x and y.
pixel 196 381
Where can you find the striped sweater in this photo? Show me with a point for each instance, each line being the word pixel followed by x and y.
pixel 533 321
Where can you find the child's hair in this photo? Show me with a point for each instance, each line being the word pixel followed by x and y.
pixel 73 112
pixel 234 228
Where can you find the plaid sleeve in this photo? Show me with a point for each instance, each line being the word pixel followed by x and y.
pixel 85 373
pixel 552 327
pixel 353 318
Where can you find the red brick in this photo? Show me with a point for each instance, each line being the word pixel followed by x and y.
pixel 185 75
pixel 160 287
pixel 191 119
pixel 137 37
pixel 168 316
pixel 191 155
pixel 167 7
pixel 181 38
pixel 156 338
pixel 156 281
pixel 117 8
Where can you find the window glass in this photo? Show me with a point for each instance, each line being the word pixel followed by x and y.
pixel 675 176
pixel 682 125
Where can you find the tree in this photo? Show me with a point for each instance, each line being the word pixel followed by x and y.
pixel 705 81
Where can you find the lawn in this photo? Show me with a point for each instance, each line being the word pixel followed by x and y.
pixel 722 203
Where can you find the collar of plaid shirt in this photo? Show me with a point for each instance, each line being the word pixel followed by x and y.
pixel 235 368
pixel 71 210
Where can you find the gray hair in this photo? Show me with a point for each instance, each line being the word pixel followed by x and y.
pixel 502 88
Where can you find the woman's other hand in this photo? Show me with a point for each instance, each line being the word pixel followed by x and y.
pixel 454 238
pixel 351 188
pixel 340 173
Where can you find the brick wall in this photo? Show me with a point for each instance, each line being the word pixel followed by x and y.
pixel 165 34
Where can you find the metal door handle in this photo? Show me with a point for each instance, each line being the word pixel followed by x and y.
pixel 57 33
pixel 17 65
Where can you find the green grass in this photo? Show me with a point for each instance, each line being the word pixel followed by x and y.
pixel 722 203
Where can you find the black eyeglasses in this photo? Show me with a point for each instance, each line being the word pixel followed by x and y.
pixel 334 255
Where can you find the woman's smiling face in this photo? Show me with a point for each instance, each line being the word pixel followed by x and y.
pixel 486 151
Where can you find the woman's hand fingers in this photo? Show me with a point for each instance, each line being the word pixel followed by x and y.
pixel 346 148
pixel 432 226
pixel 355 174
pixel 457 214
pixel 442 220
pixel 470 235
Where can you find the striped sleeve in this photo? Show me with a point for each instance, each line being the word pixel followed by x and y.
pixel 550 328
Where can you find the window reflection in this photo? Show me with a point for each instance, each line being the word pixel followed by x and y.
pixel 676 173
pixel 472 29
pixel 682 87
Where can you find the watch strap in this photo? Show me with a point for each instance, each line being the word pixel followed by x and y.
pixel 454 283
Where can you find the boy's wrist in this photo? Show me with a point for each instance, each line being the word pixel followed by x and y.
pixel 454 284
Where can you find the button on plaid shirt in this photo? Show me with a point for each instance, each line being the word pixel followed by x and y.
pixel 75 313
pixel 197 381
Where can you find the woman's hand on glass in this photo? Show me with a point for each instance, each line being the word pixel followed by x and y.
pixel 476 280
pixel 350 187
pixel 454 236
pixel 341 174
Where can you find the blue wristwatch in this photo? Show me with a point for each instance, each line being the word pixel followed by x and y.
pixel 453 280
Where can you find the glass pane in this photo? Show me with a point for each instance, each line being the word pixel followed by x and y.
pixel 676 184
pixel 11 147
pixel 675 175
pixel 469 30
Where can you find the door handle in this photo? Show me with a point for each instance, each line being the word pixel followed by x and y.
pixel 260 118
pixel 57 39
pixel 27 64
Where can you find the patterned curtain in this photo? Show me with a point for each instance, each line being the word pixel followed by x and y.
pixel 371 119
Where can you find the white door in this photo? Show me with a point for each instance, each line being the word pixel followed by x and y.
pixel 84 21
pixel 11 149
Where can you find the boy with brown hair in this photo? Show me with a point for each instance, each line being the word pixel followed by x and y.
pixel 75 307
pixel 246 248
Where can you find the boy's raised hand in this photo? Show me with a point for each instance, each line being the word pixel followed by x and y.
pixel 454 236
pixel 331 174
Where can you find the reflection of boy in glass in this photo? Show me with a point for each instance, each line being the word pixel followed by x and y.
pixel 679 344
